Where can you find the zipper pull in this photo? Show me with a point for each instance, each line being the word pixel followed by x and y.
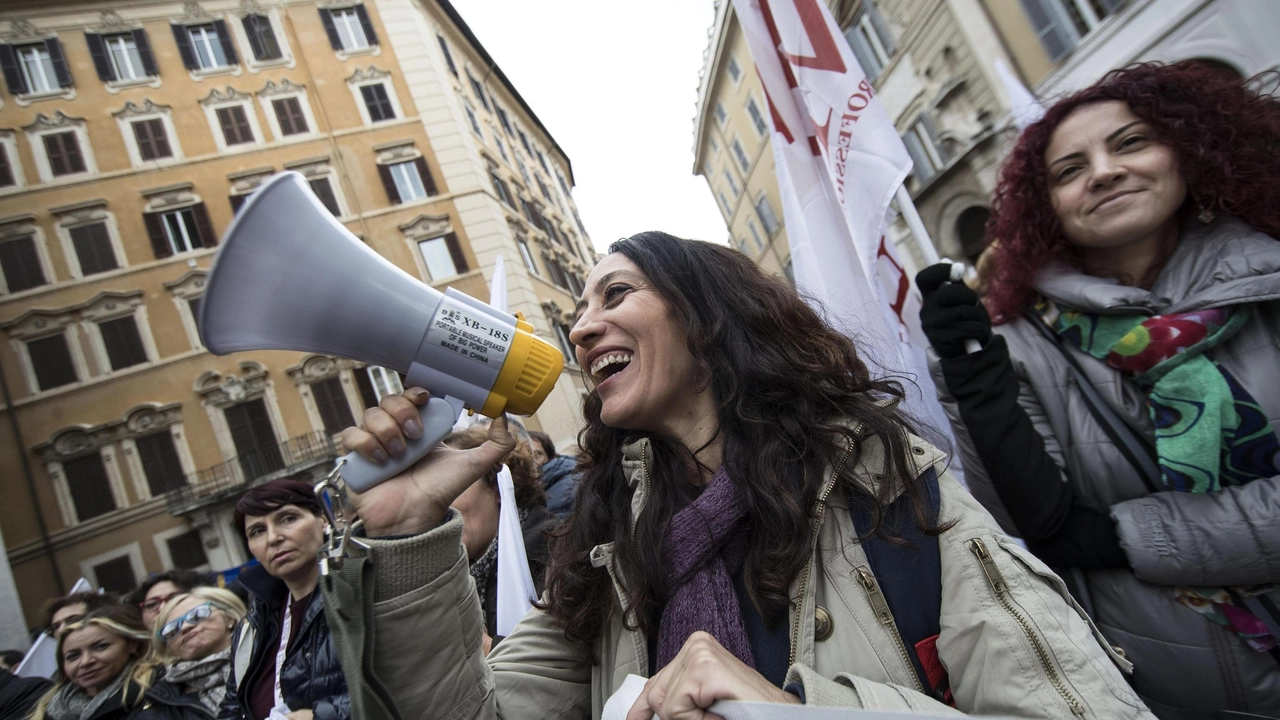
pixel 994 576
pixel 878 604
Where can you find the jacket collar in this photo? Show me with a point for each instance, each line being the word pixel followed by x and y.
pixel 1223 263
pixel 272 593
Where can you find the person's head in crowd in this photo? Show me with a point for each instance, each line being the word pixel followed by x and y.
pixel 69 608
pixel 197 624
pixel 479 504
pixel 283 524
pixel 1110 176
pixel 10 659
pixel 544 449
pixel 106 646
pixel 156 590
pixel 690 346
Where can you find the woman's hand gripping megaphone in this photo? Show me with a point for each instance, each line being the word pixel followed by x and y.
pixel 417 499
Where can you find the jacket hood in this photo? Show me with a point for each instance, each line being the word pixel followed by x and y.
pixel 1223 263
pixel 556 469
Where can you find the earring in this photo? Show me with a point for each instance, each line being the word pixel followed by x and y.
pixel 1204 215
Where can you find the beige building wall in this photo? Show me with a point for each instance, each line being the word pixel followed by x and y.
pixel 151 512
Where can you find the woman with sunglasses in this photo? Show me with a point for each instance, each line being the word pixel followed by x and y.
pixel 157 590
pixel 108 671
pixel 194 631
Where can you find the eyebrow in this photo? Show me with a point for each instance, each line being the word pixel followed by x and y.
pixel 603 281
pixel 1110 138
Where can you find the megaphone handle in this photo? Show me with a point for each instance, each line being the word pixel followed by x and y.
pixel 438 417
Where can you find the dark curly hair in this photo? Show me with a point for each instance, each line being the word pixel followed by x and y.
pixel 1225 135
pixel 785 385
pixel 526 475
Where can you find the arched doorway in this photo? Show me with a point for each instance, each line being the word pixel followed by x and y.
pixel 971 228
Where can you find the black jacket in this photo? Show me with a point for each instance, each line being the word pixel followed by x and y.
pixel 19 695
pixel 311 677
pixel 162 701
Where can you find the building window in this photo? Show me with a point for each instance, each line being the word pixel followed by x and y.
pixel 378 102
pixel 123 343
pixel 92 244
pixel 757 118
pixel 478 90
pixel 721 114
pixel 448 56
pixel 160 464
pixel 122 57
pixel 502 147
pixel 377 382
pixel 90 488
pixel 6 168
pixel 205 47
pixel 443 256
pixel 1060 24
pixel 331 403
pixel 563 185
pixel 524 141
pixel 741 155
pixel 735 72
pixel 407 181
pixel 153 141
pixel 728 206
pixel 349 28
pixel 116 576
pixel 928 157
pixel 767 218
pixel 755 235
pixel 324 191
pixel 187 551
pixel 51 360
pixel 870 41
pixel 262 38
pixel 471 115
pixel 40 68
pixel 63 151
pixel 500 188
pixel 20 262
pixel 504 120
pixel 728 177
pixel 289 114
pixel 542 188
pixel 527 256
pixel 566 345
pixel 257 448
pixel 179 231
pixel 235 125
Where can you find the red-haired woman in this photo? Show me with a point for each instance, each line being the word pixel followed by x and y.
pixel 1123 417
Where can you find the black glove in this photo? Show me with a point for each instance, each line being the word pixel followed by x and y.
pixel 1087 539
pixel 951 312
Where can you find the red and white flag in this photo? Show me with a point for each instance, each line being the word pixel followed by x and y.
pixel 839 162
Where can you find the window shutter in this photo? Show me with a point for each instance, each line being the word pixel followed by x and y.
pixel 155 230
pixel 331 402
pixel 6 170
pixel 123 343
pixel 93 248
pixel 183 40
pixel 367 26
pixel 21 264
pixel 330 30
pixel 389 184
pixel 455 252
pixel 51 360
pixel 144 51
pixel 59 62
pixel 365 385
pixel 1054 34
pixel 12 75
pixel 324 191
pixel 203 227
pixel 255 41
pixel 160 462
pixel 91 495
pixel 98 51
pixel 228 45
pixel 428 182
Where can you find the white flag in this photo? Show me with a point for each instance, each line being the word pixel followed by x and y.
pixel 498 285
pixel 840 161
pixel 42 659
pixel 515 584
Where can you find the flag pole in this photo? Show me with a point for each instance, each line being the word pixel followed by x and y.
pixel 909 213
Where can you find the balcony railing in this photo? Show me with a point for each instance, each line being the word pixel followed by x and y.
pixel 231 478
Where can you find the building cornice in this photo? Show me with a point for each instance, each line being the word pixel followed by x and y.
pixel 716 36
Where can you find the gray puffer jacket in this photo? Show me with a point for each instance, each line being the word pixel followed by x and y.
pixel 1185 666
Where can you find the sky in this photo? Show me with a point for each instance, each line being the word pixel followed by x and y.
pixel 615 83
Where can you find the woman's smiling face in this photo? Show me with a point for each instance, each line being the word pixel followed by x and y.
pixel 634 347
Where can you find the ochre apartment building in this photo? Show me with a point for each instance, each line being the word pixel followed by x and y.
pixel 130 135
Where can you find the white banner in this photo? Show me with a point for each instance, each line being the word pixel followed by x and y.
pixel 515 583
pixel 839 162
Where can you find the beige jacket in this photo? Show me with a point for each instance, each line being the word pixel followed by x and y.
pixel 1013 641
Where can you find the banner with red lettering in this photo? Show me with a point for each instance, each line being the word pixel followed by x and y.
pixel 839 161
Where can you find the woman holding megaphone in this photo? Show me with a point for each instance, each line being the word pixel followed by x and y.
pixel 755 520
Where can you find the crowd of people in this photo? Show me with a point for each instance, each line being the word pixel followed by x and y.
pixel 751 514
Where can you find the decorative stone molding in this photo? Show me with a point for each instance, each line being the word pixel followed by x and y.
pixel 396 151
pixel 284 87
pixel 111 22
pixel 554 312
pixel 317 367
pixel 17 225
pixel 425 227
pixel 367 74
pixel 518 226
pixel 149 417
pixel 221 391
pixel 193 13
pixel 94 209
pixel 311 167
pixel 251 7
pixel 132 109
pixel 225 95
pixel 109 303
pixel 36 322
pixel 20 28
pixel 74 440
pixel 170 196
pixel 247 181
pixel 189 285
pixel 59 120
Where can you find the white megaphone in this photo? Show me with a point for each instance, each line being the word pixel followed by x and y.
pixel 288 276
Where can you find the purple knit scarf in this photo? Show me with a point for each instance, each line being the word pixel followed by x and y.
pixel 705 545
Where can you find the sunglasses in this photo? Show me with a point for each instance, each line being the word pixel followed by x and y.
pixel 153 604
pixel 194 616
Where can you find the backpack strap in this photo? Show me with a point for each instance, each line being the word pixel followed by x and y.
pixel 909 576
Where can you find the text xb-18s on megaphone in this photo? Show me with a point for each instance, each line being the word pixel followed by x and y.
pixel 288 276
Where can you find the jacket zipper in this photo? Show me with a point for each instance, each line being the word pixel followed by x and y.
pixel 644 463
pixel 881 608
pixel 813 544
pixel 1001 589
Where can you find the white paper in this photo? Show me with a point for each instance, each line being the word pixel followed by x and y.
pixel 515 584
pixel 616 707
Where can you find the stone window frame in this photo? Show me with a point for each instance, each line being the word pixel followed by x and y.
pixel 316 368
pixel 218 99
pixel 39 324
pixel 185 289
pixel 556 318
pixel 60 122
pixel 132 550
pixel 373 49
pixel 318 168
pixel 24 33
pixel 247 57
pixel 373 75
pixel 74 442
pixel 69 217
pixel 112 305
pixel 148 110
pixel 422 228
pixel 194 14
pixel 218 392
pixel 245 182
pixel 161 541
pixel 17 226
pixel 282 91
pixel 148 419
pixel 110 23
pixel 9 139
